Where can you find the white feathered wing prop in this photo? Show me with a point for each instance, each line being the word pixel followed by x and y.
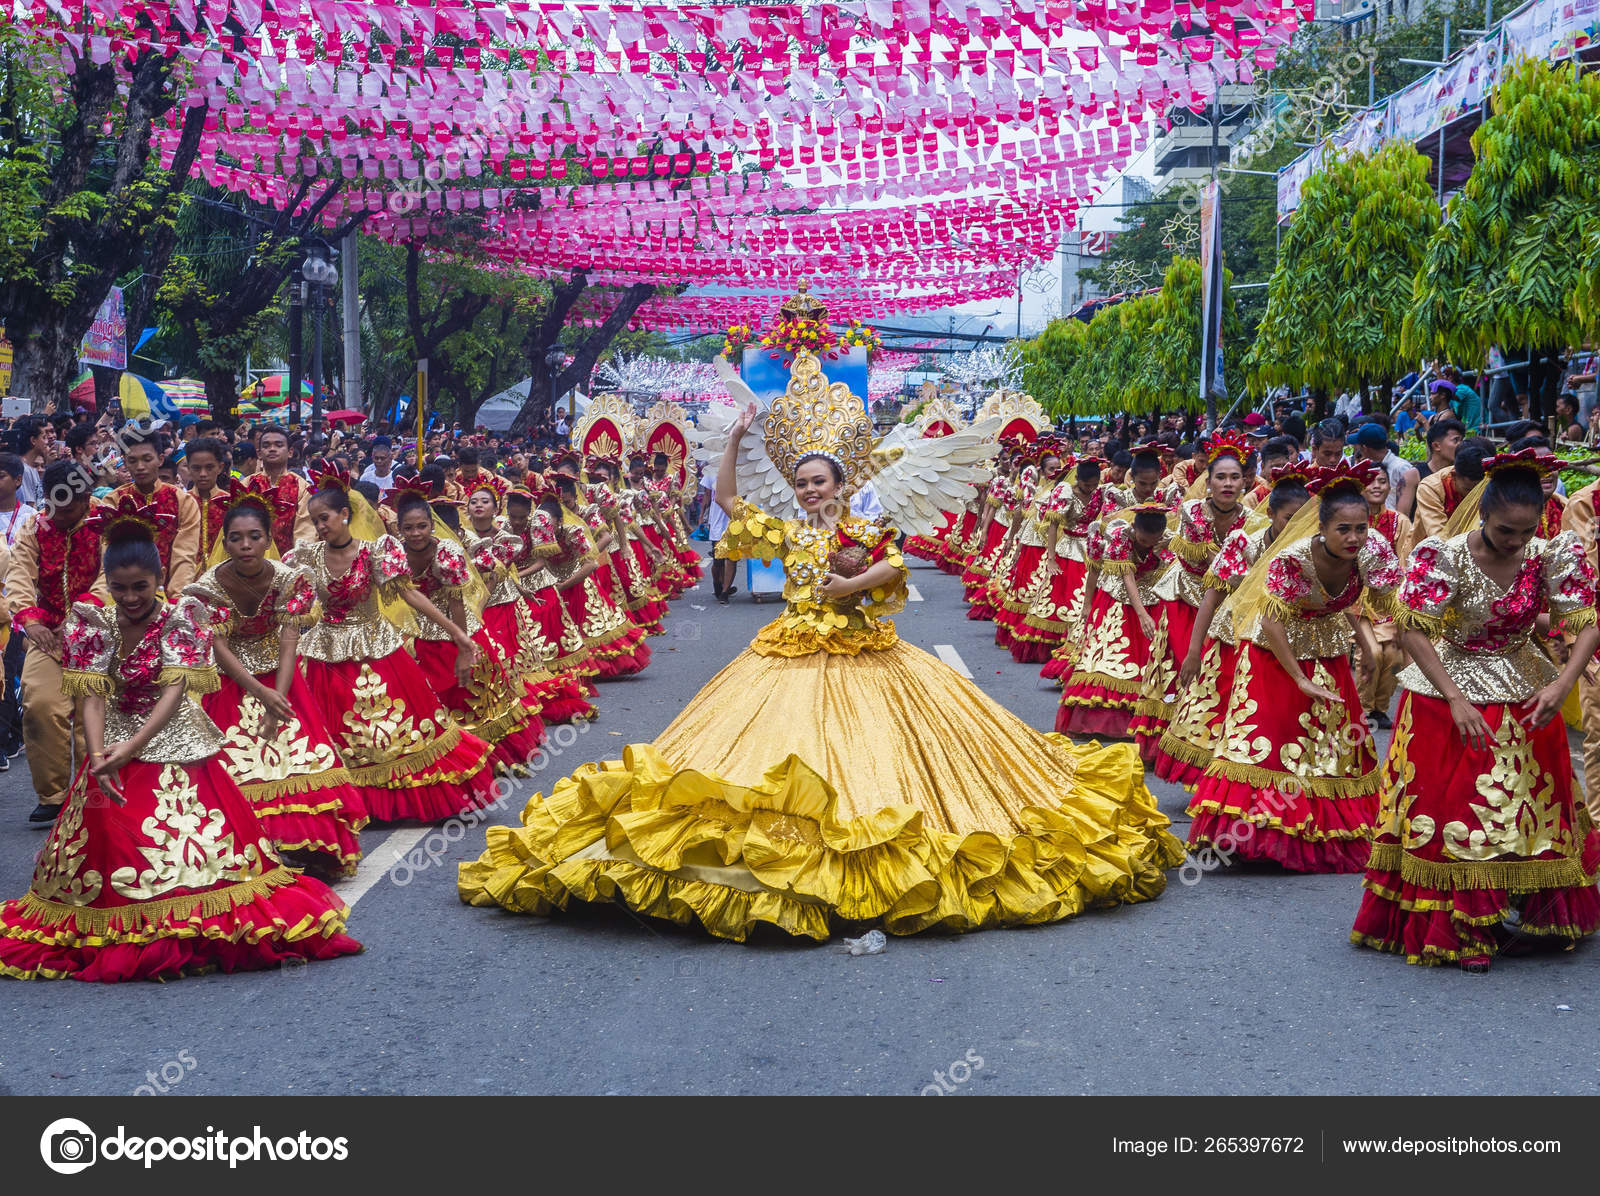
pixel 917 480
pixel 920 479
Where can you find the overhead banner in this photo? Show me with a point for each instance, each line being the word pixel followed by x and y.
pixel 106 343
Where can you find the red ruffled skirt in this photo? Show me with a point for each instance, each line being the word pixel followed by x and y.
pixel 1469 839
pixel 405 754
pixel 1044 628
pixel 975 581
pixel 1194 732
pixel 494 707
pixel 1016 594
pixel 953 551
pixel 616 646
pixel 1294 782
pixel 554 697
pixel 1099 697
pixel 931 547
pixel 295 782
pixel 554 622
pixel 179 880
pixel 668 577
pixel 1158 688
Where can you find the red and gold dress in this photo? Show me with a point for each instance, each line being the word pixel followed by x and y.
pixel 955 550
pixel 1295 780
pixel 669 502
pixel 1194 733
pixel 990 602
pixel 1181 591
pixel 569 659
pixel 630 564
pixel 1045 629
pixel 1099 696
pixel 615 644
pixel 1014 595
pixel 649 511
pixel 182 878
pixel 509 627
pixel 295 782
pixel 985 555
pixel 491 705
pixel 405 753
pixel 1470 838
pixel 832 772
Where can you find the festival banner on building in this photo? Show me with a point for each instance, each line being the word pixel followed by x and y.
pixel 107 340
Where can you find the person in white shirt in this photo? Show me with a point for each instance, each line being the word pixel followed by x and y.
pixel 1349 407
pixel 381 472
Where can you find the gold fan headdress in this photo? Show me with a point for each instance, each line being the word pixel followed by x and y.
pixel 816 418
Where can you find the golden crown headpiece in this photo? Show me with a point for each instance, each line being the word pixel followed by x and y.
pixel 816 418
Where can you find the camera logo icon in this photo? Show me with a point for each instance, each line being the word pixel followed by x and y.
pixel 68 1146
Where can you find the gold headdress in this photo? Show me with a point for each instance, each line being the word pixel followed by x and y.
pixel 608 428
pixel 815 418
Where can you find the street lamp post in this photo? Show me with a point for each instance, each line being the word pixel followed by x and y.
pixel 319 273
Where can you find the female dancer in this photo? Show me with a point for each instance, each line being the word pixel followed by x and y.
pixel 1205 677
pixel 156 867
pixel 615 645
pixel 1125 563
pixel 1014 591
pixel 990 537
pixel 770 800
pixel 1203 524
pixel 1395 528
pixel 1295 777
pixel 487 703
pixel 1480 845
pixel 1072 509
pixel 509 627
pixel 560 644
pixel 405 753
pixel 632 560
pixel 274 741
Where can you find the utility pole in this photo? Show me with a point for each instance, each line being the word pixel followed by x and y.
pixel 352 324
pixel 1207 349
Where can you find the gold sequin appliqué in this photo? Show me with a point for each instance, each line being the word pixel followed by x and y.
pixel 1107 650
pixel 1395 801
pixel 189 846
pixel 377 729
pixel 1322 751
pixel 56 875
pixel 1520 814
pixel 1238 746
pixel 1198 704
pixel 253 759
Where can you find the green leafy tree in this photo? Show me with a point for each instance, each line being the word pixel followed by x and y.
pixel 1506 267
pixel 82 202
pixel 1167 374
pixel 1343 287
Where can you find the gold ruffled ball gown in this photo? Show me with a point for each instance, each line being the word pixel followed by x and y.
pixel 833 771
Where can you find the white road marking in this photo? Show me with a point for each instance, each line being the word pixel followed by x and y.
pixel 948 654
pixel 913 594
pixel 375 864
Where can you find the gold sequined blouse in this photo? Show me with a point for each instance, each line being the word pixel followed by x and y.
pixel 1483 633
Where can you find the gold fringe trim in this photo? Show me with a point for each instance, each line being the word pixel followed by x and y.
pixel 1188 550
pixel 1184 751
pixel 1118 567
pixel 1267 778
pixel 384 774
pixel 1101 681
pixel 1510 876
pixel 78 684
pixel 1578 620
pixel 306 782
pixel 1154 708
pixel 496 727
pixel 195 681
pixel 211 904
pixel 1212 582
pixel 1432 626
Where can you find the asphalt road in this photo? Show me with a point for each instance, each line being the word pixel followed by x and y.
pixel 1240 983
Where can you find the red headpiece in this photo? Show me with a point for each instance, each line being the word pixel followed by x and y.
pixel 1295 471
pixel 493 483
pixel 329 475
pixel 105 518
pixel 1347 475
pixel 410 486
pixel 1228 444
pixel 1540 460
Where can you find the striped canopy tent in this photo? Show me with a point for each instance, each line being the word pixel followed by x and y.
pixel 271 391
pixel 81 393
pixel 187 395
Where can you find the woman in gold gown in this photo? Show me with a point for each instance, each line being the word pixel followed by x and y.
pixel 831 771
